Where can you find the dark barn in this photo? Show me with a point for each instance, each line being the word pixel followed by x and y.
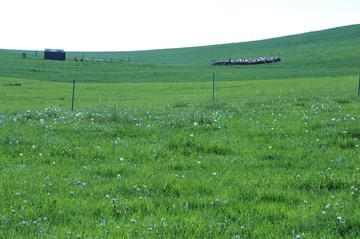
pixel 54 54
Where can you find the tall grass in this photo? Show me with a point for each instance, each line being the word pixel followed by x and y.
pixel 146 154
pixel 268 160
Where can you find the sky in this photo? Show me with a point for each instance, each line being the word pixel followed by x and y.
pixel 126 25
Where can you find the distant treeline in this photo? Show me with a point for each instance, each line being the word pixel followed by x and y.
pixel 247 61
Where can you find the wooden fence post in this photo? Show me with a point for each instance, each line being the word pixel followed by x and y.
pixel 213 95
pixel 359 87
pixel 73 96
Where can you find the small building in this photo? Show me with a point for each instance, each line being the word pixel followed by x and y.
pixel 54 54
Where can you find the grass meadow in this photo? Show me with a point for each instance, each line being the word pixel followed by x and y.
pixel 275 156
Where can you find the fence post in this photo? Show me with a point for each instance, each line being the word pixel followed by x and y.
pixel 359 87
pixel 73 96
pixel 213 95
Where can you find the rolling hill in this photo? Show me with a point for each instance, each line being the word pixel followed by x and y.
pixel 275 154
pixel 331 52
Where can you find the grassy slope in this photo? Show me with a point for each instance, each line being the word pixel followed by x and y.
pixel 36 95
pixel 325 53
pixel 271 159
pixel 280 161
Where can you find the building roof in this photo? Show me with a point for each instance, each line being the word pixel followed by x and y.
pixel 54 50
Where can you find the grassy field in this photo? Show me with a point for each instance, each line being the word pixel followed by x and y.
pixel 320 54
pixel 147 154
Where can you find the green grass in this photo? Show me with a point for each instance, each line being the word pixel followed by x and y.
pixel 273 157
pixel 320 54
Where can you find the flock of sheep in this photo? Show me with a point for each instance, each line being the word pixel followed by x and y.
pixel 247 61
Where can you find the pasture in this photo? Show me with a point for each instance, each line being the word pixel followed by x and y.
pixel 147 154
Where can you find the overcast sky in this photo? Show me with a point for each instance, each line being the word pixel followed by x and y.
pixel 122 25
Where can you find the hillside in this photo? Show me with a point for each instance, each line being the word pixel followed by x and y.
pixel 330 52
pixel 296 47
pixel 144 145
